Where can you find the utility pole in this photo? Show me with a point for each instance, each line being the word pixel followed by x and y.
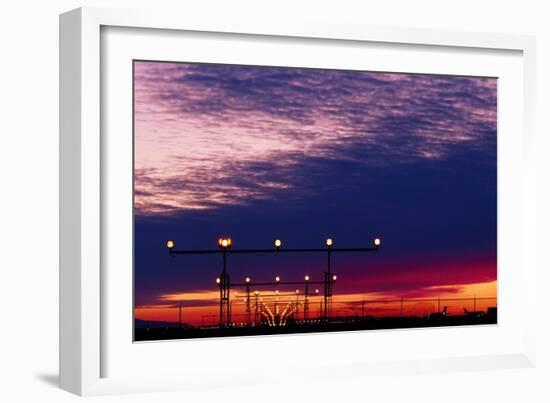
pixel 306 300
pixel 256 313
pixel 248 301
pixel 179 321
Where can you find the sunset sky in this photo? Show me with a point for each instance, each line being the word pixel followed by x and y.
pixel 259 153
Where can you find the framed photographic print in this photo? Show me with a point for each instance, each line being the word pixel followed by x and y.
pixel 303 167
pixel 268 190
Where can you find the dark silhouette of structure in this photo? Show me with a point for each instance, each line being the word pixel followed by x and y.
pixel 473 314
pixel 225 285
pixel 438 315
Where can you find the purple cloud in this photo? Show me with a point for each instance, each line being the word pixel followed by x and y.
pixel 211 135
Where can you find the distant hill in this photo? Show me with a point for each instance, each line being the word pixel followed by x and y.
pixel 140 323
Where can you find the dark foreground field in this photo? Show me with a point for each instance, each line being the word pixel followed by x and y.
pixel 170 333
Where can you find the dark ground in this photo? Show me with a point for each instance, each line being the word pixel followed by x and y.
pixel 170 333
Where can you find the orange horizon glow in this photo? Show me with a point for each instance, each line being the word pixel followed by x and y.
pixel 377 304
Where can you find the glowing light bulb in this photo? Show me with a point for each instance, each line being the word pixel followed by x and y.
pixel 224 243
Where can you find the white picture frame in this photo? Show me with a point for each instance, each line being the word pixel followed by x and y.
pixel 83 173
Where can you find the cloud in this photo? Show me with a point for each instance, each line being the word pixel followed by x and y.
pixel 213 135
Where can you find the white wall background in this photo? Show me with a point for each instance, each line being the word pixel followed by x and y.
pixel 29 200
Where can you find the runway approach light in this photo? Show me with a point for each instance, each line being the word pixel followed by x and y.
pixel 224 243
pixel 170 244
pixel 328 241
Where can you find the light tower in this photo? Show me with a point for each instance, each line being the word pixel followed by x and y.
pixel 224 243
pixel 328 282
pixel 223 282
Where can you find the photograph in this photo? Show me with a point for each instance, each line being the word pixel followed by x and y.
pixel 282 199
pixel 329 202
